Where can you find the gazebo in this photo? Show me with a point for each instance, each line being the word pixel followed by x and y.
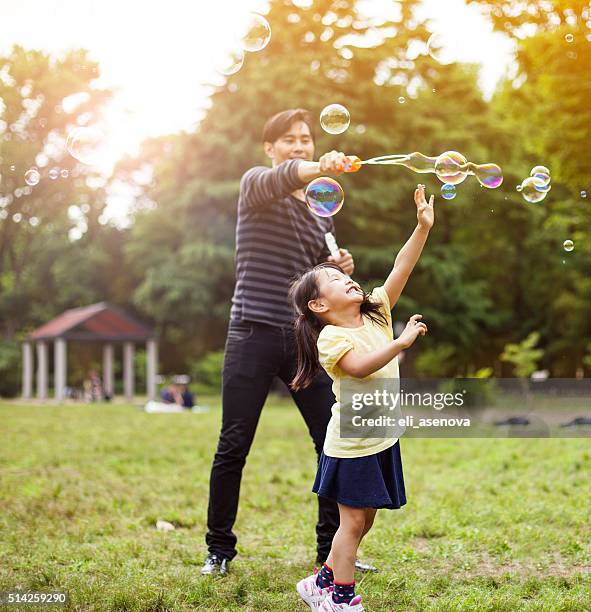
pixel 101 323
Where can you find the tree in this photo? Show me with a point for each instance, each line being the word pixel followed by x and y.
pixel 523 355
pixel 38 108
pixel 327 53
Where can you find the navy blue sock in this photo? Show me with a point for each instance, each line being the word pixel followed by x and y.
pixel 343 593
pixel 325 578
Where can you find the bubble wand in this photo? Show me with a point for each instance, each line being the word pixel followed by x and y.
pixel 450 167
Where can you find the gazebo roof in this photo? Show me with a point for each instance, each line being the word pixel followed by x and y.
pixel 97 322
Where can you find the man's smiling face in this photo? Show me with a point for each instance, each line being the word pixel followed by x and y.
pixel 296 143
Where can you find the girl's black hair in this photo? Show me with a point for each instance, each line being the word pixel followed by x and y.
pixel 308 325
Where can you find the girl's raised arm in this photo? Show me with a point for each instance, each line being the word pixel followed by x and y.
pixel 409 254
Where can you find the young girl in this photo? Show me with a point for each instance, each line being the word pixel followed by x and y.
pixel 349 333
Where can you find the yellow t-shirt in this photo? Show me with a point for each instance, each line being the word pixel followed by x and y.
pixel 333 343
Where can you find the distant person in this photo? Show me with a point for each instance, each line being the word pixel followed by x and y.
pixel 93 387
pixel 349 333
pixel 187 397
pixel 172 395
pixel 277 238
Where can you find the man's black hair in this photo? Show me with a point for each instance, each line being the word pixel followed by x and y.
pixel 280 123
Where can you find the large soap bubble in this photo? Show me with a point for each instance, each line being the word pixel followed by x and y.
pixel 442 47
pixel 256 33
pixel 450 168
pixel 542 173
pixel 530 190
pixel 87 145
pixel 335 118
pixel 324 196
pixel 230 62
pixel 488 175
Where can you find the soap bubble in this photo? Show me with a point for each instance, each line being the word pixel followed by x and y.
pixel 448 192
pixel 256 34
pixel 540 187
pixel 540 170
pixel 442 48
pixel 32 177
pixel 450 168
pixel 542 173
pixel 519 187
pixel 583 194
pixel 568 245
pixel 231 62
pixel 53 173
pixel 335 118
pixel 86 145
pixel 530 191
pixel 488 175
pixel 401 100
pixel 569 38
pixel 324 196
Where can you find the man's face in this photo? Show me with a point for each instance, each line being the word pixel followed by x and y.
pixel 296 143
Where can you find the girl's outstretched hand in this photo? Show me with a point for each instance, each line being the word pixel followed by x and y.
pixel 413 329
pixel 425 212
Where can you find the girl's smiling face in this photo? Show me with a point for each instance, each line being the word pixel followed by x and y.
pixel 337 291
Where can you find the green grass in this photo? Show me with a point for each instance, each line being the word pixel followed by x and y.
pixel 497 524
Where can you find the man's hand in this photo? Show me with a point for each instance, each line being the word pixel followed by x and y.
pixel 425 212
pixel 332 163
pixel 344 260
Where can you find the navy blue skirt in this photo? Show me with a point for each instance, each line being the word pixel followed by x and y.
pixel 375 481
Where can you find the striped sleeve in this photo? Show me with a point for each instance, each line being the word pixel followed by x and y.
pixel 262 186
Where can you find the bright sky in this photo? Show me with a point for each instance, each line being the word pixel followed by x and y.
pixel 160 56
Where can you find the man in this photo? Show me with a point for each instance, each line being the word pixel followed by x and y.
pixel 277 237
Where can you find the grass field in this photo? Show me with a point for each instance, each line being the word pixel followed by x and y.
pixel 489 524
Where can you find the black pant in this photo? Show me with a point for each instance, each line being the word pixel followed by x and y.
pixel 254 354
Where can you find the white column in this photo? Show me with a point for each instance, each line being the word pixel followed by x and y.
pixel 27 370
pixel 41 370
pixel 60 366
pixel 108 369
pixel 152 368
pixel 128 378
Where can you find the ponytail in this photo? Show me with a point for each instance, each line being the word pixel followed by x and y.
pixel 307 328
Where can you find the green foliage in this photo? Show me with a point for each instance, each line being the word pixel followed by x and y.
pixel 10 367
pixel 437 361
pixel 587 358
pixel 523 355
pixel 207 371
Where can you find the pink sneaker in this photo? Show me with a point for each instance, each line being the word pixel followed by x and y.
pixel 311 593
pixel 328 605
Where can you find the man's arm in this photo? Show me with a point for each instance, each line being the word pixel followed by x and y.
pixel 262 186
pixel 332 163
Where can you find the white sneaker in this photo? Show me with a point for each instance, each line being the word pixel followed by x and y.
pixel 328 605
pixel 311 593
